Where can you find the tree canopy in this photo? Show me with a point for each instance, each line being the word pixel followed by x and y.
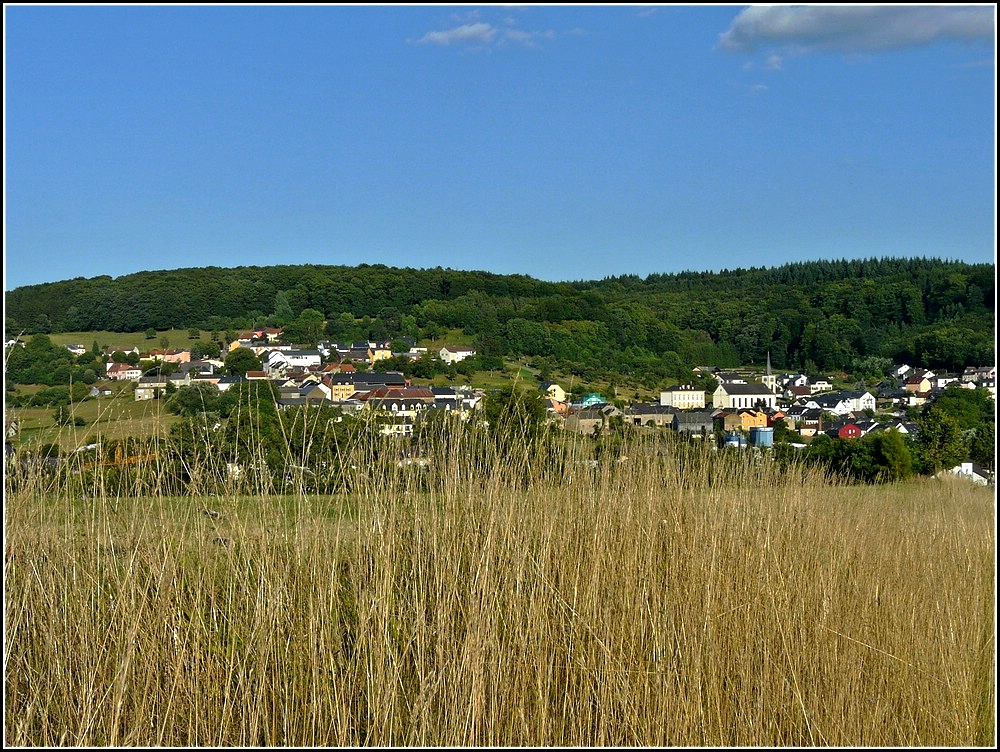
pixel 817 315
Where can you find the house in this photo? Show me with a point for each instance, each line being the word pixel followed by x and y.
pixel 399 426
pixel 683 397
pixel 976 374
pixel 591 421
pixel 941 381
pixel 554 391
pixel 277 362
pixel 789 380
pixel 444 395
pixel 594 399
pixel 919 387
pixel 843 403
pixel 857 401
pixel 820 384
pixel 554 406
pixel 266 334
pixel 750 418
pixel 76 349
pixel 100 390
pixel 170 356
pixel 797 392
pixel 731 396
pixel 644 415
pixel 969 471
pixel 379 352
pixel 847 430
pixel 312 392
pixel 201 366
pixel 693 422
pixel 341 386
pixel 150 387
pixel 726 421
pixel 124 372
pixel 454 354
pixel 408 399
pixel 725 377
pixel 868 425
pixel 225 382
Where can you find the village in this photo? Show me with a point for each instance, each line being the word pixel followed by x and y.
pixel 746 408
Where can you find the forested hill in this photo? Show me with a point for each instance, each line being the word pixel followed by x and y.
pixel 821 315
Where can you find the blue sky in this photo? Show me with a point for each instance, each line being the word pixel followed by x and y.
pixel 562 142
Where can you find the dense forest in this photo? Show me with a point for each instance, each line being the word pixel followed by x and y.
pixel 848 315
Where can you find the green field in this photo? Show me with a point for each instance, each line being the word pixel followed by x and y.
pixel 177 338
pixel 114 417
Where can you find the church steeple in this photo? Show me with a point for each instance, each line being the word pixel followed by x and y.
pixel 770 380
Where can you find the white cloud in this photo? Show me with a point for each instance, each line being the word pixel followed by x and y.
pixel 482 33
pixel 527 38
pixel 856 28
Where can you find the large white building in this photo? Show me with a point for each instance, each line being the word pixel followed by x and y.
pixel 683 397
pixel 736 396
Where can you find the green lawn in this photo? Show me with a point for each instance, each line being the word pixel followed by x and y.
pixel 177 339
pixel 108 418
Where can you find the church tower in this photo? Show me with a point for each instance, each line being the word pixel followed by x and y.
pixel 770 380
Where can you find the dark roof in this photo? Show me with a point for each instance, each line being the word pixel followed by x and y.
pixel 747 389
pixel 641 408
pixel 693 416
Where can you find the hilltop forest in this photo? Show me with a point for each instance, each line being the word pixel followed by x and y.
pixel 847 315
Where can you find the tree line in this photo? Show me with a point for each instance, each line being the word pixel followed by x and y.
pixel 812 316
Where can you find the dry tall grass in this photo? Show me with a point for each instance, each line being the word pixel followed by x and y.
pixel 637 603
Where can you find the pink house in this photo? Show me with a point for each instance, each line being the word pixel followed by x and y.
pixel 124 372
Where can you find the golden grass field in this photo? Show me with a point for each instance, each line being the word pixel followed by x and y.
pixel 635 604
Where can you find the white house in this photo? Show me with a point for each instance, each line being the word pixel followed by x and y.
pixel 843 403
pixel 820 384
pixel 277 361
pixel 454 354
pixel 969 471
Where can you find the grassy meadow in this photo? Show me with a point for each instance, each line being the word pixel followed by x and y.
pixel 657 599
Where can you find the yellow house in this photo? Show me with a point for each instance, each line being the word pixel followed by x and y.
pixel 378 353
pixel 554 391
pixel 341 389
pixel 752 419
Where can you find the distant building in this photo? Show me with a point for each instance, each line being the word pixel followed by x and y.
pixel 730 396
pixel 454 354
pixel 693 422
pixel 554 391
pixel 124 372
pixel 683 397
